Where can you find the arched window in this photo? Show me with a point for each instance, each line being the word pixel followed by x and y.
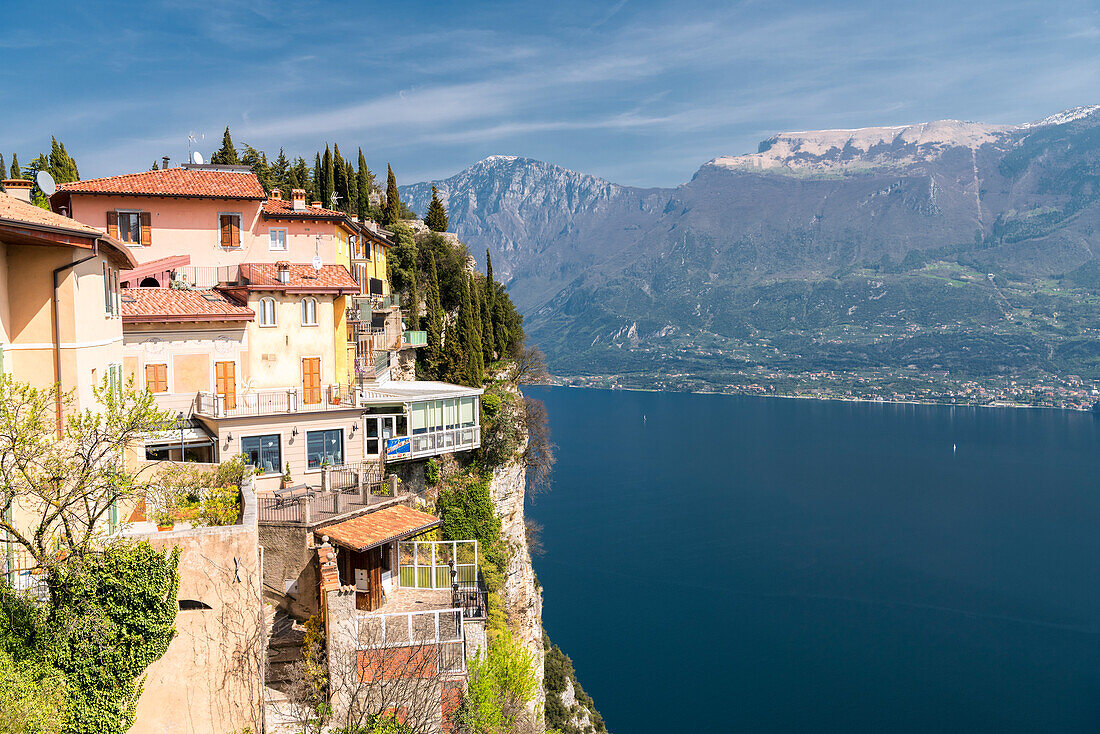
pixel 267 312
pixel 150 283
pixel 191 605
pixel 309 312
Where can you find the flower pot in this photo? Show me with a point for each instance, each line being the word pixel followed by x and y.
pixel 165 528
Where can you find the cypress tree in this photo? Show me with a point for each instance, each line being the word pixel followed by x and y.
pixel 2 171
pixel 477 348
pixel 490 303
pixel 74 172
pixel 364 185
pixel 257 161
pixel 340 178
pixel 436 218
pixel 16 172
pixel 328 183
pixel 156 166
pixel 318 176
pixel 457 336
pixel 414 301
pixel 351 205
pixel 227 154
pixel 62 166
pixel 280 174
pixel 500 329
pixel 432 354
pixel 299 175
pixel 391 214
pixel 487 340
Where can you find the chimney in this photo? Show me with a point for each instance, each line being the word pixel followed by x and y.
pixel 165 166
pixel 298 199
pixel 282 271
pixel 277 194
pixel 20 188
pixel 315 204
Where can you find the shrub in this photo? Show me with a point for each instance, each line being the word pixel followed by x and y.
pixel 233 471
pixel 431 472
pixel 490 403
pixel 221 506
pixel 501 684
pixel 32 697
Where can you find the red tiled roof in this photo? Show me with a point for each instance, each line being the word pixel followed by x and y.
pixel 368 531
pixel 283 209
pixel 210 184
pixel 303 278
pixel 19 211
pixel 153 305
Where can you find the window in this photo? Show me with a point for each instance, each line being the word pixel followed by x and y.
pixel 309 312
pixel 324 447
pixel 263 452
pixel 276 240
pixel 111 299
pixel 114 378
pixel 156 377
pixel 267 312
pixel 229 226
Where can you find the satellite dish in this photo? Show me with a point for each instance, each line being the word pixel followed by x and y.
pixel 196 158
pixel 45 183
pixel 317 264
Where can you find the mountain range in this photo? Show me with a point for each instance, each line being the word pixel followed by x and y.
pixel 955 246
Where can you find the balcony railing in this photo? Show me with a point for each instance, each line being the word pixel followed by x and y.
pixel 437 564
pixel 266 402
pixel 414 339
pixel 441 629
pixel 343 490
pixel 440 442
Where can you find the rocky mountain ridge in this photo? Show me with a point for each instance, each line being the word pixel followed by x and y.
pixel 787 245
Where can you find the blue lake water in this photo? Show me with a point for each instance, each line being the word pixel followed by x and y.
pixel 737 564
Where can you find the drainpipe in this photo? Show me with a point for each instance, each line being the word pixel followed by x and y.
pixel 57 329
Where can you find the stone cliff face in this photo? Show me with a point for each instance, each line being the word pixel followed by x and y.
pixel 522 594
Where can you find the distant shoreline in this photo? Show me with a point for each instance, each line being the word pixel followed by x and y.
pixel 831 398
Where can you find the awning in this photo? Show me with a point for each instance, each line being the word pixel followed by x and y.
pixel 370 531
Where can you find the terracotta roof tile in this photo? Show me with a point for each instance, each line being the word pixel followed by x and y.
pixel 20 212
pixel 174 182
pixel 284 209
pixel 368 531
pixel 303 278
pixel 168 304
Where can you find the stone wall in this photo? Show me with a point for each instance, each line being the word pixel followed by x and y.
pixel 403 369
pixel 290 575
pixel 211 677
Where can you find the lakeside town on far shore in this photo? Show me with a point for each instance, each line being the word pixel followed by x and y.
pixel 1045 390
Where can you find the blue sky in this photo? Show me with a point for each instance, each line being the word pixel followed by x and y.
pixel 637 92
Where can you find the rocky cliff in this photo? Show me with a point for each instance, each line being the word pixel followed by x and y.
pixel 521 591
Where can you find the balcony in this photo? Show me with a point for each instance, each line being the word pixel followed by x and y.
pixel 343 490
pixel 267 402
pixel 414 339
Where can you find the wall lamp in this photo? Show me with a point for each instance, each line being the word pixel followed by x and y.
pixel 294 431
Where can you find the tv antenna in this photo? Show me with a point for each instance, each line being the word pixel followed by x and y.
pixel 194 138
pixel 45 183
pixel 332 199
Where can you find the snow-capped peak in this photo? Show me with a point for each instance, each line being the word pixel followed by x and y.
pixel 1063 117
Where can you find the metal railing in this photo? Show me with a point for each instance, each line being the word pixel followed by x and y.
pixel 414 339
pixel 437 564
pixel 266 402
pixel 429 628
pixel 474 603
pixel 352 488
pixel 442 442
pixel 207 276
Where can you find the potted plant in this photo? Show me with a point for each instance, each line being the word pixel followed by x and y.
pixel 287 480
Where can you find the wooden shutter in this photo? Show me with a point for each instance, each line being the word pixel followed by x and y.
pixel 112 224
pixel 156 377
pixel 146 228
pixel 225 383
pixel 235 231
pixel 311 380
pixel 226 235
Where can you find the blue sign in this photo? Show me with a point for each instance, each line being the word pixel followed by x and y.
pixel 398 446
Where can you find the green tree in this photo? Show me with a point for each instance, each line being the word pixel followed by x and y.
pixel 227 154
pixel 328 183
pixel 340 179
pixel 436 218
pixel 280 174
pixel 3 171
pixel 414 301
pixel 68 483
pixel 62 167
pixel 391 213
pixel 490 302
pixel 431 357
pixel 488 343
pixel 16 171
pixel 477 344
pixel 318 179
pixel 257 161
pixel 501 684
pixel 364 186
pixel 156 166
pixel 351 204
pixel 299 175
pixel 41 163
pixel 32 696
